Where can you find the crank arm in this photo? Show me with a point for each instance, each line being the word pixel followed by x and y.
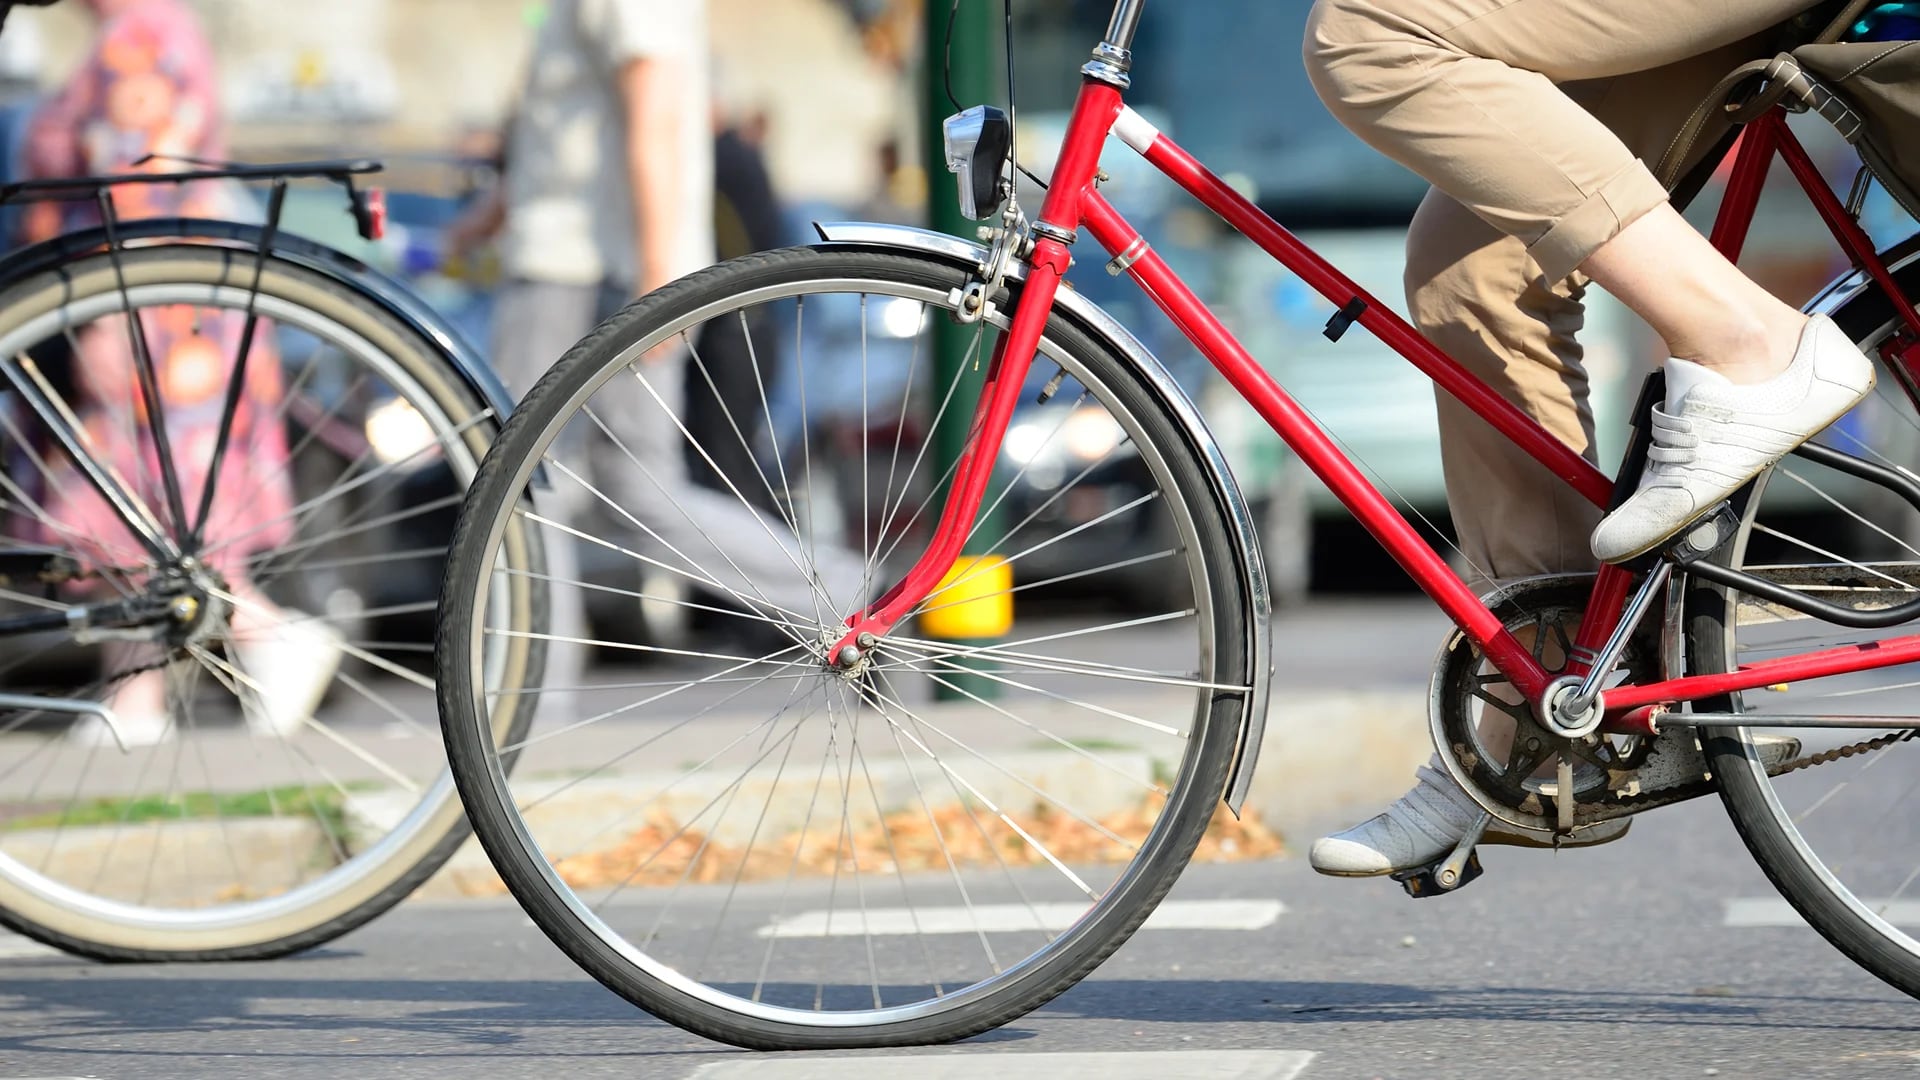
pixel 1447 876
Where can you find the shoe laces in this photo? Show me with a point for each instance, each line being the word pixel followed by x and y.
pixel 1675 445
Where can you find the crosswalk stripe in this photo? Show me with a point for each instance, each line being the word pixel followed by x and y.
pixel 1753 911
pixel 1009 918
pixel 1003 1065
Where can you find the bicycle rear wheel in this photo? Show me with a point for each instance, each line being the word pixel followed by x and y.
pixel 281 780
pixel 771 853
pixel 1834 832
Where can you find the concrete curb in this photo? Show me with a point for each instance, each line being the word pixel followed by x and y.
pixel 1328 759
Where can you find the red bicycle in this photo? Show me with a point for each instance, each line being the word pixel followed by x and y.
pixel 882 814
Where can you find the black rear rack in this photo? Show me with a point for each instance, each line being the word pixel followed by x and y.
pixel 367 214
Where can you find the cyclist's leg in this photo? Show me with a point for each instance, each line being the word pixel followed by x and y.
pixel 1478 294
pixel 1469 94
pixel 1465 92
pixel 1474 292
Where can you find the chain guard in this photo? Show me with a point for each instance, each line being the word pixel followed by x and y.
pixel 1667 796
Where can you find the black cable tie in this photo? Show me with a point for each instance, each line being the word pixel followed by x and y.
pixel 1345 318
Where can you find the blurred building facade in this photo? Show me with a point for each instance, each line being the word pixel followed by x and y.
pixel 406 76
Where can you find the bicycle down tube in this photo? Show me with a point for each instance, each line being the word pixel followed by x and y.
pixel 1073 198
pixel 1413 554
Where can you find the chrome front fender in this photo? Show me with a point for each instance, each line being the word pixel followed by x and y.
pixel 1252 576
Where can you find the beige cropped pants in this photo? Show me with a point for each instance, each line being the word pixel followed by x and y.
pixel 1537 122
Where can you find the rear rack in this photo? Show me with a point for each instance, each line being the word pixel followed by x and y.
pixel 367 205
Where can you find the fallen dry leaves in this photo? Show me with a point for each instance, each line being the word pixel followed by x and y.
pixel 661 852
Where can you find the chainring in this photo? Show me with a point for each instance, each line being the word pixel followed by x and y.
pixel 1473 703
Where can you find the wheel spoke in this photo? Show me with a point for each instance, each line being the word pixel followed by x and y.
pixel 768 847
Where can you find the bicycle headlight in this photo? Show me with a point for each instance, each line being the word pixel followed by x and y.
pixel 977 143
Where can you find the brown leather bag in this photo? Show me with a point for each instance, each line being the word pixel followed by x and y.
pixel 1880 80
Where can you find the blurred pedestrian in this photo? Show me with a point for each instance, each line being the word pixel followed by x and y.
pixel 608 194
pixel 147 87
pixel 727 388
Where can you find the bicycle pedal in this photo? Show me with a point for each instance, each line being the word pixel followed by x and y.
pixel 1424 883
pixel 1705 536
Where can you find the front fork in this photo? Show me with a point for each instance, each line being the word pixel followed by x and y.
pixel 1093 116
pixel 1006 375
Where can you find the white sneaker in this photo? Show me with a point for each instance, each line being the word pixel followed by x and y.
pixel 1713 436
pixel 291 669
pixel 1423 825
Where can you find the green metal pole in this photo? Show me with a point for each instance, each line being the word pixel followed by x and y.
pixel 972 65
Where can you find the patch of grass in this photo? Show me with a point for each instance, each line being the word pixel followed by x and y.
pixel 1091 743
pixel 326 805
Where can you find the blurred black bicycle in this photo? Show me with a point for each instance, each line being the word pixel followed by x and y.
pixel 224 449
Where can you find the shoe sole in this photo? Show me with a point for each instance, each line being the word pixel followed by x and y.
pixel 1354 873
pixel 1491 839
pixel 1771 462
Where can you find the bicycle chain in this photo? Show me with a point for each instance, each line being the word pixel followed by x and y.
pixel 1652 800
pixel 1611 805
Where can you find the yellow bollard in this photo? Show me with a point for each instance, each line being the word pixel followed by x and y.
pixel 973 601
pixel 973 605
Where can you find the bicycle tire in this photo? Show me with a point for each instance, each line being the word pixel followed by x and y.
pixel 529 874
pixel 382 875
pixel 1763 823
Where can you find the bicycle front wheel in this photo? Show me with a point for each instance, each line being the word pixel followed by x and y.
pixel 776 854
pixel 229 751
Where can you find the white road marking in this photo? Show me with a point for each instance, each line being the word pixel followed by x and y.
pixel 15 947
pixel 1012 1065
pixel 1772 911
pixel 1010 918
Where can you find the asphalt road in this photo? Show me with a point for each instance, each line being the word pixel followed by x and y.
pixel 1611 962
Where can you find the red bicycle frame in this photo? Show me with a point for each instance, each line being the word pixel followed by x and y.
pixel 1073 202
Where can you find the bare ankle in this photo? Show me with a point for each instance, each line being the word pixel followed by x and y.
pixel 1751 351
